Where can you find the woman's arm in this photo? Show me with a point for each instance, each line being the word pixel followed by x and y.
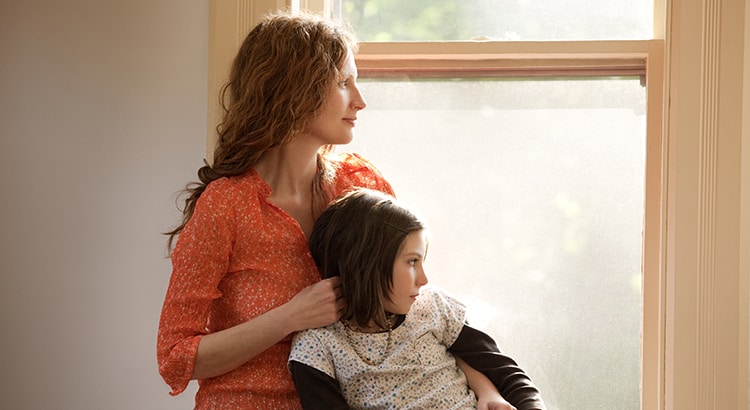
pixel 315 306
pixel 186 350
pixel 488 398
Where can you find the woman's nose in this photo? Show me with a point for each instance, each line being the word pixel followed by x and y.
pixel 358 102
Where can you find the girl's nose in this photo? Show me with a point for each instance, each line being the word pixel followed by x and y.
pixel 421 277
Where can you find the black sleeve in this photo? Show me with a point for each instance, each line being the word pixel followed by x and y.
pixel 316 389
pixel 480 351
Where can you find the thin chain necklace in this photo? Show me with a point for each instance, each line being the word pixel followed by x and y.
pixel 351 327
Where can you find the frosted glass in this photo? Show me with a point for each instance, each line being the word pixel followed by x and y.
pixel 533 190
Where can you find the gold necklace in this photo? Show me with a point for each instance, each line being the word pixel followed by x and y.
pixel 355 343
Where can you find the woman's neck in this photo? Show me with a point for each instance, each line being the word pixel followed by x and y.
pixel 290 172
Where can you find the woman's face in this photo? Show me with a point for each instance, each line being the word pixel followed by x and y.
pixel 408 273
pixel 336 119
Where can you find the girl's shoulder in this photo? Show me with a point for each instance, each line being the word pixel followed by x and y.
pixel 436 311
pixel 316 342
pixel 437 302
pixel 437 295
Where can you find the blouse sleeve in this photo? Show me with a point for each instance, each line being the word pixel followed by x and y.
pixel 199 261
pixel 480 351
pixel 316 389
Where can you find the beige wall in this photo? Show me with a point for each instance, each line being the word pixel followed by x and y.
pixel 102 119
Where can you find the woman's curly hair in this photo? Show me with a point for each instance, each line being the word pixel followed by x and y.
pixel 278 82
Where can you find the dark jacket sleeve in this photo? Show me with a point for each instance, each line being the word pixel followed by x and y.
pixel 316 389
pixel 480 351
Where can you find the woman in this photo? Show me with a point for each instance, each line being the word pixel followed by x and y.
pixel 243 280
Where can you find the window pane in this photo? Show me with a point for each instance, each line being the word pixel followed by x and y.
pixel 443 20
pixel 533 190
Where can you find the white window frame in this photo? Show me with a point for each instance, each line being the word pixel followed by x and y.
pixel 696 255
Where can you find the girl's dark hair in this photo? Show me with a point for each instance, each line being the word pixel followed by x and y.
pixel 278 82
pixel 358 238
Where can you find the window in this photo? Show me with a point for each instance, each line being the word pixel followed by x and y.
pixel 479 109
pixel 529 161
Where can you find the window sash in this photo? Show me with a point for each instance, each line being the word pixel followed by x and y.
pixel 554 58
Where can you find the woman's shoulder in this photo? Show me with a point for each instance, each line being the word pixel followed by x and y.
pixel 348 163
pixel 234 187
pixel 352 160
pixel 354 170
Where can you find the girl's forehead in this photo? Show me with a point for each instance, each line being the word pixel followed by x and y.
pixel 415 242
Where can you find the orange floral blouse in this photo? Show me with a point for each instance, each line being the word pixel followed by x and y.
pixel 238 257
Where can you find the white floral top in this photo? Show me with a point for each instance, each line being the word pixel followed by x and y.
pixel 409 369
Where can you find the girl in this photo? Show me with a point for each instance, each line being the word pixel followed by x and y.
pixel 243 280
pixel 395 344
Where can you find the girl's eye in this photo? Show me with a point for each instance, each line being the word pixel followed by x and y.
pixel 413 262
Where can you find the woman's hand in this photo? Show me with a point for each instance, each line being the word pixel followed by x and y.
pixel 317 305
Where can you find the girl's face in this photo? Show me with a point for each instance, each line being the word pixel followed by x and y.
pixel 335 121
pixel 408 273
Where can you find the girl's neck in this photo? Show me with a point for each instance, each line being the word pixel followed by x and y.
pixel 392 321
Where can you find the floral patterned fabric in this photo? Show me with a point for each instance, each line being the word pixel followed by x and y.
pixel 238 257
pixel 410 368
